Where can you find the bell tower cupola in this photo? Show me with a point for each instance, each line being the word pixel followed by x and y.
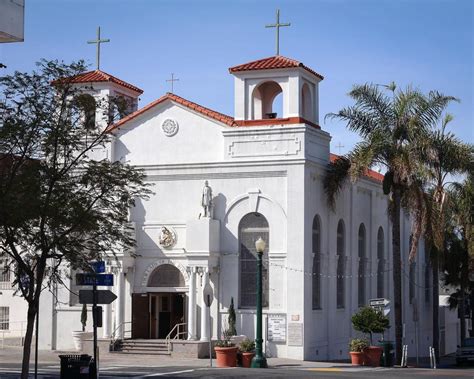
pixel 258 84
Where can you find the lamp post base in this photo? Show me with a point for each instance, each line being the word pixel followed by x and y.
pixel 259 361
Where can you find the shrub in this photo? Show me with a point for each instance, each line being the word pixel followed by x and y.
pixel 247 346
pixel 358 345
pixel 368 320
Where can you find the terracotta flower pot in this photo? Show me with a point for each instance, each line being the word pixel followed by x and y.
pixel 357 358
pixel 373 354
pixel 226 356
pixel 247 358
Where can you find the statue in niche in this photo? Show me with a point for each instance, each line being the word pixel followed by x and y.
pixel 167 237
pixel 206 200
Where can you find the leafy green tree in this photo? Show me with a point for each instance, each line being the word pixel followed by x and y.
pixel 58 206
pixel 389 123
pixel 368 320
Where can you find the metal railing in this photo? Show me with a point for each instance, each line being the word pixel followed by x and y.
pixel 177 331
pixel 12 329
pixel 127 333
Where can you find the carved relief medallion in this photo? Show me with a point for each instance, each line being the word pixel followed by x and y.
pixel 170 127
pixel 167 237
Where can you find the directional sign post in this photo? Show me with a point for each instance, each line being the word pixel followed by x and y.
pixel 88 279
pixel 377 303
pixel 103 296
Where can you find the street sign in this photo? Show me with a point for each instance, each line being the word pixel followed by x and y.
pixel 376 303
pixel 103 296
pixel 98 266
pixel 98 280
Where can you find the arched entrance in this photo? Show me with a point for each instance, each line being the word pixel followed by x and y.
pixel 155 314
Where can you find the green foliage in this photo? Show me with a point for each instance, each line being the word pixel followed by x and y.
pixel 58 207
pixel 231 318
pixel 358 345
pixel 225 341
pixel 368 320
pixel 247 346
pixel 84 317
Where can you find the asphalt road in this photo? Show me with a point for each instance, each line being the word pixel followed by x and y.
pixel 52 371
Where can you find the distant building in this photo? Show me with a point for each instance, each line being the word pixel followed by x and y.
pixel 12 15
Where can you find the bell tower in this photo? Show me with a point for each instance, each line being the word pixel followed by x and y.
pixel 257 84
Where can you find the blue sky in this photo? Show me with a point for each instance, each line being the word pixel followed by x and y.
pixel 426 43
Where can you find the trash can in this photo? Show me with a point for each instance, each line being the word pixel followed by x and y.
pixel 75 366
pixel 386 360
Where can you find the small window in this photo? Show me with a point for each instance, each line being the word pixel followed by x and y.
pixel 4 318
pixel 5 277
pixel 316 263
pixel 341 265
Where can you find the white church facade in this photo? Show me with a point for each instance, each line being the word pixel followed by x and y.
pixel 264 173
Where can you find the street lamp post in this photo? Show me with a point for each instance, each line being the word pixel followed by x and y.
pixel 259 361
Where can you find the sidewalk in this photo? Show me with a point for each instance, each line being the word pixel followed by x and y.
pixel 13 355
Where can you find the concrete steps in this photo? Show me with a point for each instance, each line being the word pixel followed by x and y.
pixel 139 346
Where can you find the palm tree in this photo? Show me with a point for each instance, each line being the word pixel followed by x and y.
pixel 443 156
pixel 390 123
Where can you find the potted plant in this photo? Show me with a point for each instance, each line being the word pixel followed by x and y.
pixel 357 349
pixel 247 349
pixel 226 351
pixel 78 336
pixel 369 320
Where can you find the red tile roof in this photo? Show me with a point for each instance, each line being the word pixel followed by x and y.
pixel 272 63
pixel 177 99
pixel 101 76
pixel 371 174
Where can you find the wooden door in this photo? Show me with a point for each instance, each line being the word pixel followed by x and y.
pixel 140 315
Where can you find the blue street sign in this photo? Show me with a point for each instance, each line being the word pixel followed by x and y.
pixel 98 266
pixel 98 280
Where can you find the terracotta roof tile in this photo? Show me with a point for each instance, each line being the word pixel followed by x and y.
pixel 101 76
pixel 177 99
pixel 272 63
pixel 369 173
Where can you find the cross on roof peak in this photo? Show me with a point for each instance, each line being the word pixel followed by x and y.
pixel 172 80
pixel 277 25
pixel 98 41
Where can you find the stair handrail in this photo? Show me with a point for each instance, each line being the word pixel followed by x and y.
pixel 178 333
pixel 113 336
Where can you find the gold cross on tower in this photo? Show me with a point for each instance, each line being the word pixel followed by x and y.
pixel 98 41
pixel 277 26
pixel 172 80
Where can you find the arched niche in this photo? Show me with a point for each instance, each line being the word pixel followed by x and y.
pixel 307 111
pixel 166 275
pixel 87 106
pixel 263 97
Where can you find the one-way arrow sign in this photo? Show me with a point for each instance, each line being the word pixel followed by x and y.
pixel 103 297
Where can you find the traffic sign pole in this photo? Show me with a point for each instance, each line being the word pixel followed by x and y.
pixel 94 320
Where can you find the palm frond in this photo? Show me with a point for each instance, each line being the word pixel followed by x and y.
pixel 336 174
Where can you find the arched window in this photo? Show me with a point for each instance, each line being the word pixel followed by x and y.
pixel 87 106
pixel 427 276
pixel 306 103
pixel 341 263
pixel 251 227
pixel 166 276
pixel 380 264
pixel 316 263
pixel 361 271
pixel 263 101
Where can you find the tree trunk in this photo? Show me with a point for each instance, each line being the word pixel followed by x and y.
pixel 462 314
pixel 435 264
pixel 397 275
pixel 31 317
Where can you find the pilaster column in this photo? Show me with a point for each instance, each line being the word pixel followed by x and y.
pixel 119 304
pixel 107 319
pixel 204 310
pixel 192 304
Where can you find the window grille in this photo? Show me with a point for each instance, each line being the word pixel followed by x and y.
pixel 4 318
pixel 252 226
pixel 341 266
pixel 316 263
